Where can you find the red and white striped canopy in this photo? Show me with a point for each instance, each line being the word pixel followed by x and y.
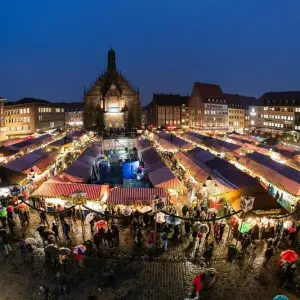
pixel 56 190
pixel 135 195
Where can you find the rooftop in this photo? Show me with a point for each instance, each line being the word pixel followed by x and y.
pixel 170 99
pixel 235 100
pixel 207 91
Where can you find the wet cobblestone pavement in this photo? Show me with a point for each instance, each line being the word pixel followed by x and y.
pixel 165 276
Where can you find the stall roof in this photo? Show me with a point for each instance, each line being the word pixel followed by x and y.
pixel 45 162
pixel 56 190
pixel 201 155
pixel 197 135
pixel 27 161
pixel 9 176
pixel 154 166
pixel 150 156
pixel 282 169
pixel 239 139
pixel 135 195
pixel 164 178
pixel 174 139
pixel 8 151
pixel 143 145
pixel 220 145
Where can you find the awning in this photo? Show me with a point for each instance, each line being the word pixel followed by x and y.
pixel 9 176
pixel 45 162
pixel 56 190
pixel 164 178
pixel 135 195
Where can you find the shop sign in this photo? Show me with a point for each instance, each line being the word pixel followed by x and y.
pixel 79 198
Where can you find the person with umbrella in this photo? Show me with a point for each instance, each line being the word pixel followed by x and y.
pixel 55 230
pixel 66 231
pixel 79 251
pixel 43 218
pixel 5 240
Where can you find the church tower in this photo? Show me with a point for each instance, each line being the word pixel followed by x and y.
pixel 111 61
pixel 115 96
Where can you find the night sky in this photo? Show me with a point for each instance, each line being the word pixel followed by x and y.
pixel 52 49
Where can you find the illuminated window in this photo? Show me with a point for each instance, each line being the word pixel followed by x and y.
pixel 252 122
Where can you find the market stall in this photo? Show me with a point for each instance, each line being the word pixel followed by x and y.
pixel 165 178
pixel 174 142
pixel 277 173
pixel 11 177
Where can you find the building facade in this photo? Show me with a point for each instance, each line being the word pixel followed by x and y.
pixel 29 115
pixel 276 111
pixel 167 110
pixel 74 114
pixel 207 108
pixel 238 116
pixel 113 98
pixel 2 120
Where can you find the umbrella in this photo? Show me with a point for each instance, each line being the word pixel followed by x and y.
pixel 196 225
pixel 89 217
pixel 245 227
pixel 289 255
pixel 41 228
pixel 51 248
pixel 291 229
pixel 173 220
pixel 21 206
pixel 31 241
pixel 3 213
pixel 287 224
pixel 10 208
pixel 160 218
pixel 101 224
pixel 127 211
pixel 145 209
pixel 203 228
pixel 79 249
pixel 281 297
pixel 64 251
pixel 213 210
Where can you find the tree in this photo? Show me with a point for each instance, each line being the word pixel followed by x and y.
pixel 130 119
pixel 100 120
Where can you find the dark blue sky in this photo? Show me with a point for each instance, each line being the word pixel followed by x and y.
pixel 51 49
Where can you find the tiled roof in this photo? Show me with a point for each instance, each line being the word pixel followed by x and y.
pixel 169 99
pixel 208 90
pixel 290 95
pixel 235 100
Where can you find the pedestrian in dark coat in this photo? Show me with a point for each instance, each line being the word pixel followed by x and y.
pixel 66 231
pixel 109 237
pixel 55 230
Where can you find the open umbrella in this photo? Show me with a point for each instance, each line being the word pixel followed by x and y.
pixel 196 225
pixel 3 213
pixel 172 220
pixel 280 297
pixel 291 229
pixel 145 209
pixel 79 249
pixel 89 217
pixel 287 224
pixel 31 241
pixel 127 211
pixel 64 251
pixel 245 227
pixel 41 228
pixel 10 208
pixel 101 224
pixel 213 210
pixel 21 206
pixel 203 228
pixel 289 255
pixel 51 248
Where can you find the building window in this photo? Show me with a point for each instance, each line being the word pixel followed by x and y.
pixel 252 122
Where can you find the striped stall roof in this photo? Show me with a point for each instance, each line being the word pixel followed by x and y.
pixel 56 190
pixel 135 195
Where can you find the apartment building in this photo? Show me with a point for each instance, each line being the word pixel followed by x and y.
pixel 238 116
pixel 277 111
pixel 73 113
pixel 207 108
pixel 29 115
pixel 167 110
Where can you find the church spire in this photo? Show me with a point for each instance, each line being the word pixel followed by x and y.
pixel 111 60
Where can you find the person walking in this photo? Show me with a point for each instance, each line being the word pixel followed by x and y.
pixel 252 257
pixel 23 250
pixel 97 241
pixel 164 241
pixel 101 233
pixel 43 218
pixel 66 231
pixel 109 236
pixel 55 230
pixel 150 241
pixel 268 254
pixel 115 231
pixel 5 241
pixel 11 226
